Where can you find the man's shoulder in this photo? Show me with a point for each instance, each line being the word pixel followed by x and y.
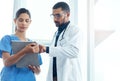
pixel 73 27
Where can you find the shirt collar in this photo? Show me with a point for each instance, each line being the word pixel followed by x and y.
pixel 63 26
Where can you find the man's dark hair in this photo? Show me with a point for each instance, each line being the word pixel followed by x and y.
pixel 65 7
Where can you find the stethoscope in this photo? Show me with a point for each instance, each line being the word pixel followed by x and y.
pixel 62 34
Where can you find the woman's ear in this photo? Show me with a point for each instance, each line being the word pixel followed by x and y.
pixel 30 21
pixel 14 20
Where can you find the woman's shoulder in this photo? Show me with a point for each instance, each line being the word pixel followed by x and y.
pixel 6 37
pixel 9 37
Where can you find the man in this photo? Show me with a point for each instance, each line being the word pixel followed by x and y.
pixel 65 47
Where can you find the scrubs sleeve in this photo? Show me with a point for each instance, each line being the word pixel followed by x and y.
pixel 40 59
pixel 5 44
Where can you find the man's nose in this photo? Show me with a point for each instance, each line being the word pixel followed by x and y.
pixel 55 19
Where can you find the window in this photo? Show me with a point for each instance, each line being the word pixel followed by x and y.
pixel 6 20
pixel 42 26
pixel 107 40
pixel 6 17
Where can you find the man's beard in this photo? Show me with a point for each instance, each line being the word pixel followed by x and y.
pixel 57 24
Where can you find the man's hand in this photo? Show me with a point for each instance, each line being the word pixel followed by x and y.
pixel 42 48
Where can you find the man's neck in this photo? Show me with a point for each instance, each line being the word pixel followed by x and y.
pixel 63 26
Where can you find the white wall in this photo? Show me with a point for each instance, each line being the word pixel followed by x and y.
pixel 107 26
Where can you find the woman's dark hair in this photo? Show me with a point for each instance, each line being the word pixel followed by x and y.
pixel 65 7
pixel 22 10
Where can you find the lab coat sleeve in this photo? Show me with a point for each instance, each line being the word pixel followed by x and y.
pixel 69 47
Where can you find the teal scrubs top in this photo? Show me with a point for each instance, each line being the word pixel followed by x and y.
pixel 12 73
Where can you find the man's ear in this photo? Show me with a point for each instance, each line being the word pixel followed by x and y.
pixel 68 14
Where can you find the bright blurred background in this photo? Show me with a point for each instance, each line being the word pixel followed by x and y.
pixel 99 23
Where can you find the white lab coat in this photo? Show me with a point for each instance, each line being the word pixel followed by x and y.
pixel 68 56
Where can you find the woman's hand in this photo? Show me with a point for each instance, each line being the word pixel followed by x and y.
pixel 42 49
pixel 31 48
pixel 35 69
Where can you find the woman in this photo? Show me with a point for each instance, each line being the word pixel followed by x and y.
pixel 10 72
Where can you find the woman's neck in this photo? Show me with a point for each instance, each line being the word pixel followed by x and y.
pixel 21 36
